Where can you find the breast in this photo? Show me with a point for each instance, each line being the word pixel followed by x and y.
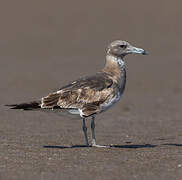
pixel 111 101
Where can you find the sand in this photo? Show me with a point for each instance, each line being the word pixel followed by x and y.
pixel 46 44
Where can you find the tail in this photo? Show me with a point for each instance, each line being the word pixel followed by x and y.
pixel 26 106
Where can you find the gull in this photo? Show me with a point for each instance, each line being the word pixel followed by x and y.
pixel 90 95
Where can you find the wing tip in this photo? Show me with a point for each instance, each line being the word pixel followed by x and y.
pixel 25 106
pixel 12 106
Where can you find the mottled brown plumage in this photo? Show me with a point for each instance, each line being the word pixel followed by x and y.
pixel 86 94
pixel 91 95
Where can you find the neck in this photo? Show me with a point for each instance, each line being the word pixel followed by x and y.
pixel 114 65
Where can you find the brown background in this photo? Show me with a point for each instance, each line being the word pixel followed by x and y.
pixel 45 44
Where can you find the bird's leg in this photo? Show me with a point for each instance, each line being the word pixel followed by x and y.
pixel 85 131
pixel 93 131
pixel 93 134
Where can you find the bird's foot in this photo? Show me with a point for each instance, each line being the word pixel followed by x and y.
pixel 102 146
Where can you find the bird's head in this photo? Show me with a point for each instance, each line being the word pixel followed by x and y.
pixel 120 49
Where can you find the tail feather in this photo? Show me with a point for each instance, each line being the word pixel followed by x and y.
pixel 25 106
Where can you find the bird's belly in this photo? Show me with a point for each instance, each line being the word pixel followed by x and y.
pixel 71 113
pixel 110 102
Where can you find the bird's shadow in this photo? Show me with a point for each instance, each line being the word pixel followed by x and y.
pixel 172 144
pixel 131 146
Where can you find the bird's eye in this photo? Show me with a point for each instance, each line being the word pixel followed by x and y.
pixel 123 46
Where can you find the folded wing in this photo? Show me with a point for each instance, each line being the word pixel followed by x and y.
pixel 86 94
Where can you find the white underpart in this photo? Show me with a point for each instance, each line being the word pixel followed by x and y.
pixel 111 101
pixel 81 113
pixel 74 111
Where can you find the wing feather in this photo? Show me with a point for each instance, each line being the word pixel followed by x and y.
pixel 86 93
